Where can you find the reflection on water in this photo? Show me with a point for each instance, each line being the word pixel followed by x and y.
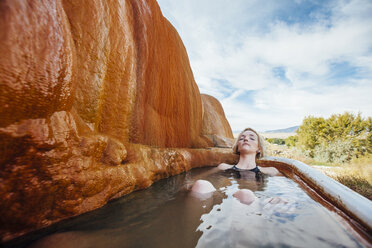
pixel 166 215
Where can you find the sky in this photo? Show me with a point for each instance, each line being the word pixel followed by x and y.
pixel 271 63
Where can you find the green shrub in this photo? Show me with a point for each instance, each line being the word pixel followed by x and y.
pixel 338 138
pixel 335 152
pixel 277 141
pixel 291 141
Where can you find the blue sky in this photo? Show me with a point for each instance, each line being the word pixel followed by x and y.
pixel 271 63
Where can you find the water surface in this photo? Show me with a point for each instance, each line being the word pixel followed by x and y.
pixel 166 215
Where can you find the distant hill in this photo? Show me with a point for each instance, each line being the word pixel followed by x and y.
pixel 285 130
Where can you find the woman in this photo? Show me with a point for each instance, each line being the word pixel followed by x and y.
pixel 250 147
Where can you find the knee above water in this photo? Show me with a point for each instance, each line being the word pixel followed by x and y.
pixel 245 196
pixel 203 187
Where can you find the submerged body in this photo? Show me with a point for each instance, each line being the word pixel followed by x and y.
pixel 249 147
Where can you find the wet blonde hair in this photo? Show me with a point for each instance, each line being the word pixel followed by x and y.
pixel 261 144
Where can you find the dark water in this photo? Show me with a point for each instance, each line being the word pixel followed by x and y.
pixel 166 215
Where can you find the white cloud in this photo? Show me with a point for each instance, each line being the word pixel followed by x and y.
pixel 238 46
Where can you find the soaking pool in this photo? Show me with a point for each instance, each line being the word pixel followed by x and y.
pixel 167 215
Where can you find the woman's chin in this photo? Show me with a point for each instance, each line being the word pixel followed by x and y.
pixel 247 151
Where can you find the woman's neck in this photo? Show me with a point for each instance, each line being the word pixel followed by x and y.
pixel 247 161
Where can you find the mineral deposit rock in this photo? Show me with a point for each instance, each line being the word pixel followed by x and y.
pixel 134 81
pixel 36 62
pixel 168 105
pixel 215 125
pixel 97 99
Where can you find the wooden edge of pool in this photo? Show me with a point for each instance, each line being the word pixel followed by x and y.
pixel 351 203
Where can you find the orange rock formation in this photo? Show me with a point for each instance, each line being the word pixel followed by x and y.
pixel 215 125
pixel 97 99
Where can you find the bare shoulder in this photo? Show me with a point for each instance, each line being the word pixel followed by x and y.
pixel 224 166
pixel 271 171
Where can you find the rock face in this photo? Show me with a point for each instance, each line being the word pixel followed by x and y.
pixel 215 125
pixel 97 99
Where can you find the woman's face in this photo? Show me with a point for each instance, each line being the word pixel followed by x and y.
pixel 248 143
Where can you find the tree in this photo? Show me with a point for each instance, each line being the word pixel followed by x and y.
pixel 344 126
pixel 291 140
pixel 338 138
pixel 311 133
